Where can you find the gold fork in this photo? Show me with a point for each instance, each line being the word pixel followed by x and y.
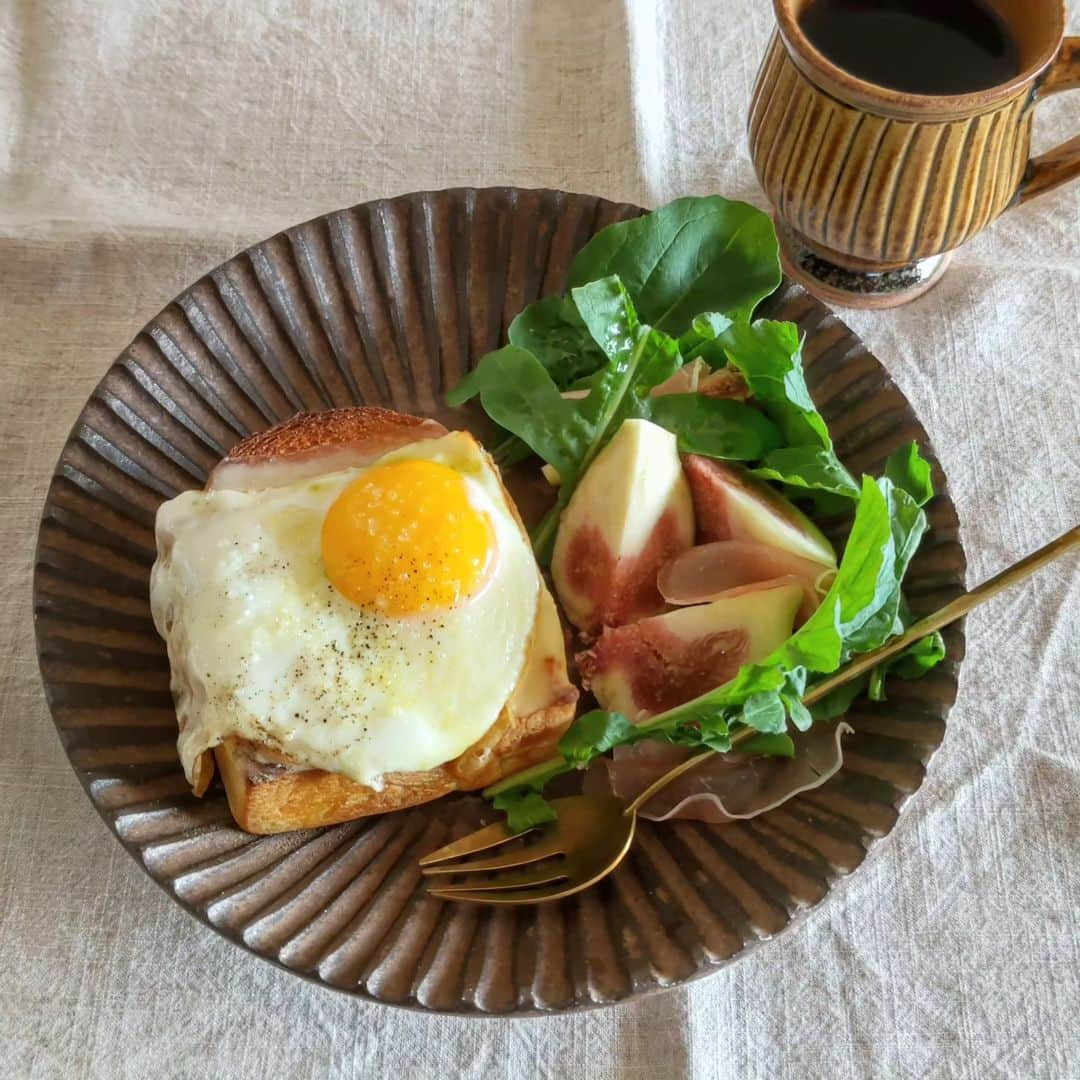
pixel 591 835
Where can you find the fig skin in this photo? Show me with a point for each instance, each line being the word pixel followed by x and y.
pixel 630 514
pixel 658 663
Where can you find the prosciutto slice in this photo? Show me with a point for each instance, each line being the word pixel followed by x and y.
pixel 709 571
pixel 728 787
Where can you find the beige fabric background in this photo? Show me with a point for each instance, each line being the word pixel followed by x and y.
pixel 141 142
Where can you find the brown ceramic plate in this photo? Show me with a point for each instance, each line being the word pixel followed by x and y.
pixel 389 303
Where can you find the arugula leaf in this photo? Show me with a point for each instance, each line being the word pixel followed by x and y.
pixel 810 467
pixel 715 427
pixel 608 314
pixel 705 725
pixel 800 715
pixel 524 809
pixel 920 658
pixel 906 523
pixel 769 745
pixel 909 471
pixel 769 357
pixel 913 663
pixel 593 734
pixel 693 254
pixel 834 705
pixel 765 712
pixel 702 339
pixel 715 736
pixel 639 357
pixel 553 331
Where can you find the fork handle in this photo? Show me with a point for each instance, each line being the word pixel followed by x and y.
pixel 952 611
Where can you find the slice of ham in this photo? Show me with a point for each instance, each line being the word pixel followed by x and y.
pixel 709 571
pixel 728 787
pixel 311 444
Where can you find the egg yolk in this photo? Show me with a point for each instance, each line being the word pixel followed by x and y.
pixel 404 539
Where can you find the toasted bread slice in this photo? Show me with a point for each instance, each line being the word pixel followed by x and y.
pixel 269 794
pixel 311 443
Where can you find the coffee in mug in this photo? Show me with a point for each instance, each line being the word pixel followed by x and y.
pixel 886 133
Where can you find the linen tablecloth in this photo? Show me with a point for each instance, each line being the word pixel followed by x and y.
pixel 143 142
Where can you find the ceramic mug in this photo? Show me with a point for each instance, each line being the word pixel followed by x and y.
pixel 873 187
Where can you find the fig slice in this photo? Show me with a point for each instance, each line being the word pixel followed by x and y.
pixel 730 504
pixel 660 662
pixel 630 514
pixel 709 571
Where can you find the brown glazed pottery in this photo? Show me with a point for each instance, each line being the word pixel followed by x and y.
pixel 390 303
pixel 872 187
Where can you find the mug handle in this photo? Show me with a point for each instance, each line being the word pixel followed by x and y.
pixel 1062 164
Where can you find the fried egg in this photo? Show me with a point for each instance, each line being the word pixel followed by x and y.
pixel 366 621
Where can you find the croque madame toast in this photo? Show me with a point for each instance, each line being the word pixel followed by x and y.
pixel 269 794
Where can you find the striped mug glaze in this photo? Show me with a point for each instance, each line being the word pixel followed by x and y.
pixel 872 187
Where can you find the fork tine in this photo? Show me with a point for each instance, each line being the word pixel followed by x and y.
pixel 522 879
pixel 492 836
pixel 542 849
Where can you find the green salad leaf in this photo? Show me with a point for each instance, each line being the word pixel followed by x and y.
pixel 525 808
pixel 836 703
pixel 595 733
pixel 812 468
pixel 518 394
pixel 908 470
pixel 692 255
pixel 769 356
pixel 553 331
pixel 913 663
pixel 716 427
pixel 769 745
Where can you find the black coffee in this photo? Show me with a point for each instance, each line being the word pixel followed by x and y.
pixel 919 46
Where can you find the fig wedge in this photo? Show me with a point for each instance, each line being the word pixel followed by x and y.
pixel 630 514
pixel 655 664
pixel 730 504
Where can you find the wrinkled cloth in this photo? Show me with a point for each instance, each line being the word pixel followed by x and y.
pixel 142 142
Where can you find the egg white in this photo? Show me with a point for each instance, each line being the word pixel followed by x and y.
pixel 263 647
